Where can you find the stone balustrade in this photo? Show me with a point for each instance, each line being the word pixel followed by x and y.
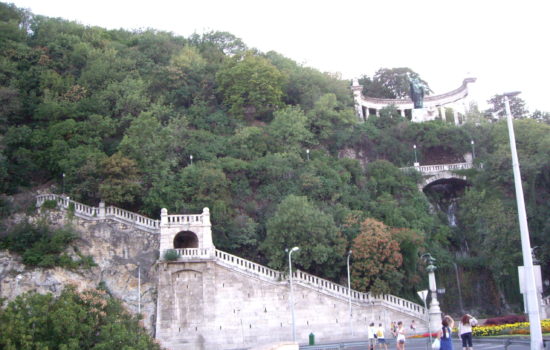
pixel 232 261
pixel 101 212
pixel 436 168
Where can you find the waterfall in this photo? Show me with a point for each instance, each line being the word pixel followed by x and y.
pixel 451 212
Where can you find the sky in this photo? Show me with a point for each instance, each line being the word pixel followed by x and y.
pixel 504 44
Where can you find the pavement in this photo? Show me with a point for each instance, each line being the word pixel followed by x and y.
pixel 486 343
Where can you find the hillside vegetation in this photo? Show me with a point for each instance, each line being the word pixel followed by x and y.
pixel 146 120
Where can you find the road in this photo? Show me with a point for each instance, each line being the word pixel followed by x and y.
pixel 423 344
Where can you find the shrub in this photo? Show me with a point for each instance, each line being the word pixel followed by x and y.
pixel 40 245
pixel 49 204
pixel 171 255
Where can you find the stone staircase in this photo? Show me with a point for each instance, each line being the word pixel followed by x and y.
pixel 233 262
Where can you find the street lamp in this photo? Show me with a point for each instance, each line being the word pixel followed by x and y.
pixel 434 311
pixel 349 294
pixel 473 149
pixel 423 294
pixel 415 160
pixel 63 184
pixel 307 152
pixel 292 291
pixel 139 288
pixel 530 287
pixel 191 159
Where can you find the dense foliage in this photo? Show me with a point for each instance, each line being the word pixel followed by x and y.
pixel 148 120
pixel 42 246
pixel 73 321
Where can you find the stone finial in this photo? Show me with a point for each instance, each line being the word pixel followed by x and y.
pixel 164 216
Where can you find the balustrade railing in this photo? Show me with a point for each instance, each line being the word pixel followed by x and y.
pixel 99 213
pixel 433 169
pixel 322 285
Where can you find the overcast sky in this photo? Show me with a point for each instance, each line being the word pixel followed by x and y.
pixel 502 43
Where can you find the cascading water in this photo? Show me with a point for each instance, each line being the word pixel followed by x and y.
pixel 451 212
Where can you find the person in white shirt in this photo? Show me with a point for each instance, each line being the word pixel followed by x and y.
pixel 371 331
pixel 465 330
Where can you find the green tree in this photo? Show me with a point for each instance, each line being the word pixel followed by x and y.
pixel 288 130
pixel 251 86
pixel 390 83
pixel 297 222
pixel 121 184
pixel 517 107
pixel 73 321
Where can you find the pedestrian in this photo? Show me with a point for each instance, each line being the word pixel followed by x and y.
pixel 381 339
pixel 400 341
pixel 393 329
pixel 413 326
pixel 465 329
pixel 371 332
pixel 444 334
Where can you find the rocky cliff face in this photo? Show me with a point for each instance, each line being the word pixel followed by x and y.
pixel 117 249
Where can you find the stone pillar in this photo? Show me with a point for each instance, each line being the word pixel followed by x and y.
pixel 455 114
pixel 434 310
pixel 164 216
pixel 442 112
pixel 402 112
pixel 101 214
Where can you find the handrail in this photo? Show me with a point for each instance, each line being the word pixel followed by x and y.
pixel 429 169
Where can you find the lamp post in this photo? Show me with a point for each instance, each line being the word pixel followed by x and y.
pixel 349 295
pixel 473 149
pixel 530 287
pixel 423 294
pixel 139 288
pixel 415 159
pixel 434 311
pixel 191 159
pixel 63 184
pixel 292 291
pixel 307 153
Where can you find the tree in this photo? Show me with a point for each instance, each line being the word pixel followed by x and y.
pixel 251 86
pixel 75 320
pixel 517 107
pixel 297 222
pixel 121 185
pixel 376 258
pixel 288 130
pixel 390 83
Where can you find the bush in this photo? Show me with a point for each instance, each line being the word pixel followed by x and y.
pixel 171 255
pixel 49 204
pixel 41 246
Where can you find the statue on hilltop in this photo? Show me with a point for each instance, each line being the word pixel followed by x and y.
pixel 417 92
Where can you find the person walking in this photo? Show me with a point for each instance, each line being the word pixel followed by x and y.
pixel 380 338
pixel 371 332
pixel 444 334
pixel 465 330
pixel 400 341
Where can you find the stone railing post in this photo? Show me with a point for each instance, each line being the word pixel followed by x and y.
pixel 164 217
pixel 206 217
pixel 101 214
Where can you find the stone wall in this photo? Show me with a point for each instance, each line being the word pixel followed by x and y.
pixel 204 305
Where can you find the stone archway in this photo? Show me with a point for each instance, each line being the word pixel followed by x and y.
pixel 186 239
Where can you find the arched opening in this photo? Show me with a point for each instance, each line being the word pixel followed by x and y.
pixel 186 239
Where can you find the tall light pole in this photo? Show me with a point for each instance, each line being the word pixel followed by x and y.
pixel 139 288
pixel 191 159
pixel 63 184
pixel 292 291
pixel 473 150
pixel 530 287
pixel 415 159
pixel 349 295
pixel 307 153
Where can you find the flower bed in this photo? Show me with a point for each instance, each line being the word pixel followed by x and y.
pixel 493 330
